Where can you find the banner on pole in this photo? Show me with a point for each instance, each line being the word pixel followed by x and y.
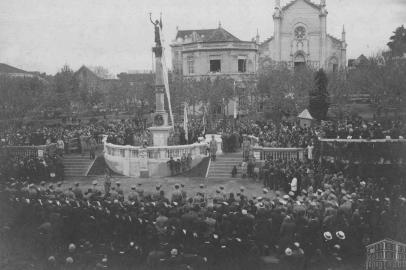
pixel 185 122
pixel 165 74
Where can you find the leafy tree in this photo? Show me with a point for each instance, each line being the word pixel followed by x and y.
pixel 339 89
pixel 65 90
pixel 318 97
pixel 21 96
pixel 284 90
pixel 102 72
pixel 397 42
pixel 384 83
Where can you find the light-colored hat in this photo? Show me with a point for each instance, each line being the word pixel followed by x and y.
pixel 71 247
pixel 340 235
pixel 327 235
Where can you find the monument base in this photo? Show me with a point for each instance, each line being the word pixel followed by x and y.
pixel 160 135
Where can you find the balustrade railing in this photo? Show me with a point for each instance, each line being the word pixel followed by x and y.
pixel 155 152
pixel 263 153
pixel 30 151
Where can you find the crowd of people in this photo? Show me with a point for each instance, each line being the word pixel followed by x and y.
pixel 310 214
pixel 33 169
pixel 326 217
pixel 287 134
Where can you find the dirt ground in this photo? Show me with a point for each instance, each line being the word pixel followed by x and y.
pixel 192 185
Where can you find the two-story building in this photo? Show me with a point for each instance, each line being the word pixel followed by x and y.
pixel 209 53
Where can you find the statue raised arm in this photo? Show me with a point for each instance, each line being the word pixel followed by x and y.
pixel 157 24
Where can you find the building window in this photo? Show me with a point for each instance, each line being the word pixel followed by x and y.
pixel 333 64
pixel 242 65
pixel 243 101
pixel 190 65
pixel 300 32
pixel 299 61
pixel 215 65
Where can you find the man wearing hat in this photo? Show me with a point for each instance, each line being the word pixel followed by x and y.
pixel 107 181
pixel 156 195
pixel 58 190
pixel 222 192
pixel 213 148
pixel 140 191
pixel 183 192
pixel 94 193
pixel 218 198
pixel 69 195
pixel 119 191
pixel 176 194
pixel 133 196
pixel 77 191
pixel 42 189
pixel 246 146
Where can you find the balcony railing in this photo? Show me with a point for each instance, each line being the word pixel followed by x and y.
pixel 264 153
pixel 159 153
pixel 30 151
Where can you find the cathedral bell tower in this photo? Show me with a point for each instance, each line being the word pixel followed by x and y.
pixel 277 18
pixel 343 49
pixel 323 34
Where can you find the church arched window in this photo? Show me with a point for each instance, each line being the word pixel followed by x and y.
pixel 333 64
pixel 300 32
pixel 299 60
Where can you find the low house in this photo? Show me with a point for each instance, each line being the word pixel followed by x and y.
pixel 305 119
pixel 386 254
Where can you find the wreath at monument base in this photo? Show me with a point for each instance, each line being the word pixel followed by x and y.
pixel 158 120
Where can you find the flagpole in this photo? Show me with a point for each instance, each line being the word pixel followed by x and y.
pixel 165 71
pixel 185 122
pixel 235 107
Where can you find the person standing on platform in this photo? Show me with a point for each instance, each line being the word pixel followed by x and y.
pixel 172 165
pixel 92 147
pixel 245 148
pixel 310 148
pixel 213 148
pixel 60 146
pixel 189 161
pixel 183 162
pixel 107 181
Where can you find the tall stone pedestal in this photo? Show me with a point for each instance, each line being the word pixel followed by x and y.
pixel 160 135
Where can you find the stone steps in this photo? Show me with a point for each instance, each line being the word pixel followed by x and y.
pixel 221 168
pixel 77 165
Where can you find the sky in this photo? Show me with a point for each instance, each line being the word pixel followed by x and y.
pixel 44 35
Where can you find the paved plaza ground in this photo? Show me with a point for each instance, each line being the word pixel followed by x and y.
pixel 252 188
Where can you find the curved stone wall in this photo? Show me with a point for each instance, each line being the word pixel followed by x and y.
pixel 151 161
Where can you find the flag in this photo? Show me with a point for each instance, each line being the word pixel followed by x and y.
pixel 165 73
pixel 235 103
pixel 203 121
pixel 185 122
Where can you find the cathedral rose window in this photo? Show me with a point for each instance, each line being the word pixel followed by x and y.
pixel 300 32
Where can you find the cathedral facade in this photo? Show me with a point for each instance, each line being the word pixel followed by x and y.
pixel 301 38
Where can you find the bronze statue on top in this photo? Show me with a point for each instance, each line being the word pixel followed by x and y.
pixel 157 24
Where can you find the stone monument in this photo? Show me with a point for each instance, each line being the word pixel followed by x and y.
pixel 160 129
